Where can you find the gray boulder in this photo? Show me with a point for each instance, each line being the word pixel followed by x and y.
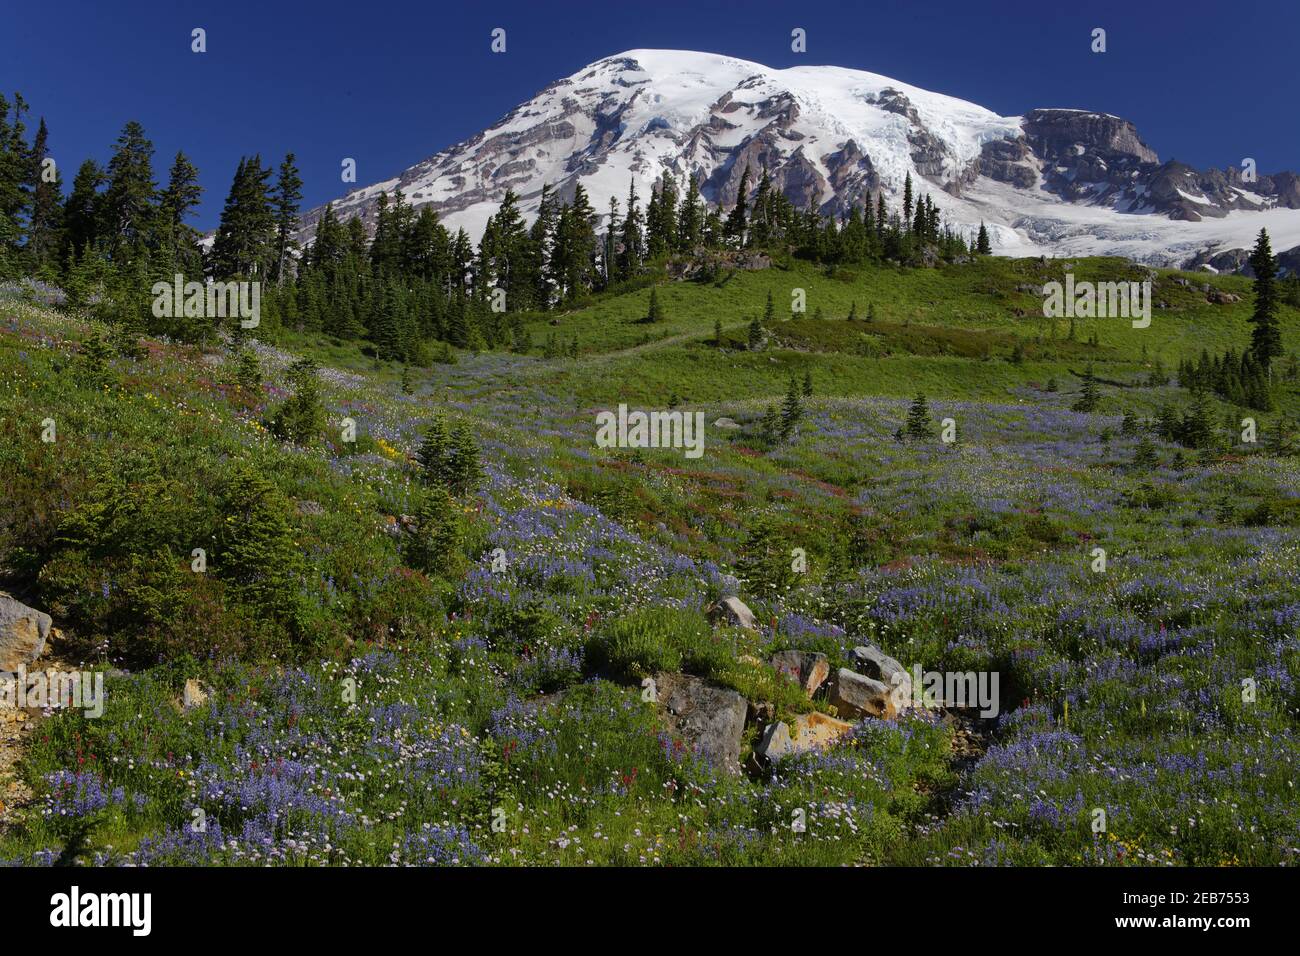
pixel 809 669
pixel 23 632
pixel 855 695
pixel 709 719
pixel 872 661
pixel 732 611
pixel 775 743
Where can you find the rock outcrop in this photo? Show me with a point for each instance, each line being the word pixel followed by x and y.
pixel 23 633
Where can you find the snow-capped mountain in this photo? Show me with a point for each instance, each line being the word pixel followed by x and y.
pixel 1054 181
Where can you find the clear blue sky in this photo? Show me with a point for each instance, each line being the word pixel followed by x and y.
pixel 391 82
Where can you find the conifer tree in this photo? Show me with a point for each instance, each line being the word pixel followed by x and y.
pixel 177 238
pixel 791 410
pixel 982 245
pixel 46 221
pixel 259 558
pixel 919 425
pixel 807 383
pixel 301 418
pixel 1265 337
pixel 756 334
pixel 656 313
pixel 738 220
pixel 128 204
pixel 286 199
pixel 770 427
pixel 690 220
pixel 81 212
pixel 1090 397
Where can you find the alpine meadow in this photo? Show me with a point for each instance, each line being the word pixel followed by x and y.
pixel 703 464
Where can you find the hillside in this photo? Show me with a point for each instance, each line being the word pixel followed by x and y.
pixel 529 665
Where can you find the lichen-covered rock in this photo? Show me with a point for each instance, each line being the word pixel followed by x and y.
pixel 709 719
pixel 733 611
pixel 23 632
pixel 808 669
pixel 855 695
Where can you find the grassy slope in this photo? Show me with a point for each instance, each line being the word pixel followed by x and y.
pixel 974 557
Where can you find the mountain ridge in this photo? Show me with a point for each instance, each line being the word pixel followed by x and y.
pixel 1082 182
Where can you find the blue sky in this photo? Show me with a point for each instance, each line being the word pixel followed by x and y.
pixel 391 83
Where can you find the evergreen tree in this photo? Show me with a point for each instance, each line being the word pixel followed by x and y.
pixel 982 245
pixel 286 199
pixel 128 208
pixel 1144 456
pixel 178 240
pixel 259 558
pixel 92 367
pixel 791 410
pixel 81 213
pixel 737 221
pixel 656 313
pixel 919 425
pixel 435 548
pixel 1266 337
pixel 1090 397
pixel 1197 430
pixel 302 417
pixel 248 371
pixel 770 427
pixel 807 384
pixel 245 242
pixel 690 220
pixel 15 183
pixel 756 334
pixel 630 254
pixel 46 222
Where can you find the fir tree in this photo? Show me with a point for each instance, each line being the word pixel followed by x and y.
pixel 791 410
pixel 92 367
pixel 1197 431
pixel 982 245
pixel 179 241
pixel 919 425
pixel 1090 397
pixel 656 313
pixel 435 548
pixel 128 209
pixel 46 220
pixel 259 558
pixel 1265 338
pixel 770 427
pixel 248 371
pixel 737 221
pixel 301 417
pixel 756 333
pixel 285 201
pixel 807 383
pixel 1144 455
